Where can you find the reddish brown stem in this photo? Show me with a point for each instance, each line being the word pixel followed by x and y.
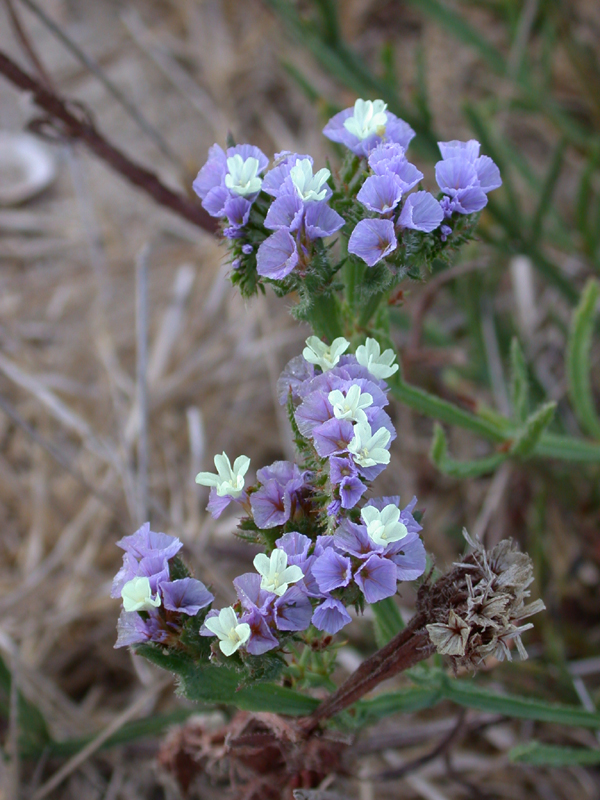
pixel 404 651
pixel 84 130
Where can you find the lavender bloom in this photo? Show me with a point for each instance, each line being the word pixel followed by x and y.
pixel 344 475
pixel 293 611
pixel 445 231
pixel 156 569
pixel 252 595
pixel 354 539
pixel 286 212
pixel 145 542
pixel 186 595
pixel 296 546
pixel 261 639
pixel 372 240
pixel 453 149
pixel 389 159
pixel 376 578
pixel 321 221
pixel 409 557
pixel 229 175
pixel 380 193
pixel 314 410
pixel 421 212
pixel 237 211
pixel 365 126
pixel 216 200
pixel 333 436
pixel 217 503
pixel 133 629
pixel 332 570
pixel 351 490
pixel 465 176
pixel 277 256
pixel 269 506
pixel 247 249
pixel 406 515
pixel 296 375
pixel 274 179
pixel 331 616
pixel 212 173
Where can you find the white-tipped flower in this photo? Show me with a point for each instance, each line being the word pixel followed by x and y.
pixel 275 573
pixel 310 187
pixel 230 480
pixel 384 526
pixel 380 365
pixel 368 448
pixel 242 176
pixel 369 117
pixel 137 595
pixel 231 632
pixel 323 355
pixel 351 405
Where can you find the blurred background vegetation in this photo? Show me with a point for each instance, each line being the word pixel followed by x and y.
pixel 522 77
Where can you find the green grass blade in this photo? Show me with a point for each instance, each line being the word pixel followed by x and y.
pixel 547 192
pixel 578 360
pixel 388 620
pixel 460 469
pixel 404 701
pixel 530 434
pixel 519 383
pixel 33 731
pixel 469 695
pixel 553 755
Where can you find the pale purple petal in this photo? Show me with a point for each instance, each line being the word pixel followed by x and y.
pixel 453 174
pixel 332 570
pixel 250 593
pixel 331 616
pixel 145 542
pixel 409 556
pixel 455 148
pixel 237 211
pixel 469 201
pixel 372 240
pixel 321 221
pixel 275 178
pixel 333 437
pixel 380 193
pixel 269 508
pixel 217 504
pixel 128 571
pixel 354 539
pixel 377 579
pixel 351 490
pixel 488 174
pixel 295 377
pixel 212 173
pixel 285 212
pixel 296 546
pixel 156 569
pixel 421 212
pixel 293 610
pixel 277 256
pixel 132 629
pixel 261 639
pixel 398 131
pixel 314 410
pixel 216 200
pixel 186 595
pixel 384 155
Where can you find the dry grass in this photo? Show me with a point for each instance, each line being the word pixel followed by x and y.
pixel 68 372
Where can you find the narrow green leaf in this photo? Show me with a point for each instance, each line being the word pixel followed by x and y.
pixel 578 360
pixel 547 192
pixel 33 731
pixel 470 695
pixel 567 448
pixel 388 620
pixel 519 383
pixel 553 755
pixel 530 434
pixel 404 701
pixel 460 469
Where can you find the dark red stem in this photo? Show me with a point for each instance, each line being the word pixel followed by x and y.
pixel 82 129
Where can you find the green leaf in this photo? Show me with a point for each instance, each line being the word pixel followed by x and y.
pixel 33 731
pixel 469 695
pixel 404 701
pixel 519 382
pixel 388 620
pixel 578 360
pixel 530 434
pixel 460 469
pixel 553 755
pixel 547 192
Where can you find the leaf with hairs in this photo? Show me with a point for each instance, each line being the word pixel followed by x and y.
pixel 531 432
pixel 519 382
pixel 553 755
pixel 460 469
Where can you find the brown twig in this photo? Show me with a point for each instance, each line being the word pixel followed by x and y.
pixel 81 128
pixel 26 43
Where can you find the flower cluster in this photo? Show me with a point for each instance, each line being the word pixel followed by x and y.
pixel 276 220
pixel 325 553
pixel 157 592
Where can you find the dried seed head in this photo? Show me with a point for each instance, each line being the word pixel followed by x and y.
pixel 476 610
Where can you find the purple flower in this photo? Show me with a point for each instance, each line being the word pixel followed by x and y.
pixel 251 595
pixel 314 410
pixel 372 240
pixel 212 173
pixel 145 542
pixel 331 616
pixel 362 142
pixel 409 556
pixel 216 504
pixel 421 212
pixel 186 595
pixel 224 178
pixel 296 375
pixel 354 539
pixel 274 179
pixel 453 149
pixel 156 569
pixel 277 256
pixel 351 490
pixel 293 610
pixel 133 629
pixel 332 570
pixel 237 211
pixel 261 639
pixel 487 173
pixel 321 221
pixel 465 176
pixel 270 505
pixel 247 249
pixel 333 436
pixel 216 200
pixel 445 231
pixel 376 578
pixel 380 193
pixel 296 546
pixel 286 212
